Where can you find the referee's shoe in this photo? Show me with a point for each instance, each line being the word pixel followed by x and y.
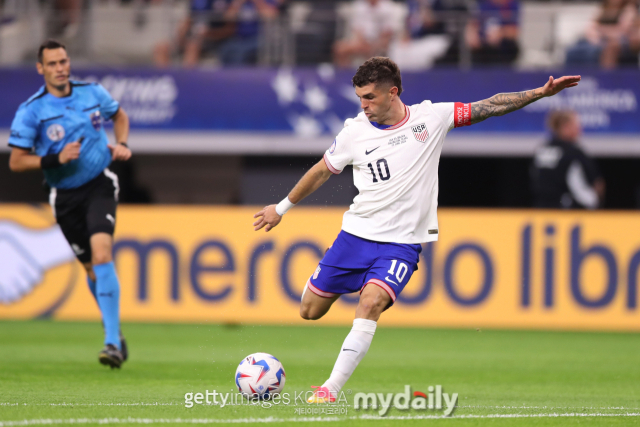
pixel 123 348
pixel 111 356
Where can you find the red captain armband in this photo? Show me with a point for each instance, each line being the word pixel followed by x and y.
pixel 461 114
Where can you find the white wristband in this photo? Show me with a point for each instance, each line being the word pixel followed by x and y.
pixel 284 206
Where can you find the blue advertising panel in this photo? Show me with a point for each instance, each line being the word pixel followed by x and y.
pixel 316 101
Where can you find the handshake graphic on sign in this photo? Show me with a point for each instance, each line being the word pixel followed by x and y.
pixel 26 255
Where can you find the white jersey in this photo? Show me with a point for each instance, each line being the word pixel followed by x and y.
pixel 396 171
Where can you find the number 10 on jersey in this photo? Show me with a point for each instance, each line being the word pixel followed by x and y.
pixel 401 272
pixel 383 175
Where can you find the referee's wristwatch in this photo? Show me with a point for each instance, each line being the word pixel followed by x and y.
pixel 124 143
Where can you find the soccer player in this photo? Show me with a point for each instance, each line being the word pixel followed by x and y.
pixel 59 130
pixel 394 150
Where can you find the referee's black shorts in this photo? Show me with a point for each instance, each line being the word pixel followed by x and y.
pixel 84 211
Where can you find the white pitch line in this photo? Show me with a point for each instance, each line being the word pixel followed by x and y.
pixel 610 408
pixel 131 420
pixel 93 404
pixel 597 408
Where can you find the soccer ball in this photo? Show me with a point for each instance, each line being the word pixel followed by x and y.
pixel 260 375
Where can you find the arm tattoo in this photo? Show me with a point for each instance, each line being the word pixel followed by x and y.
pixel 501 104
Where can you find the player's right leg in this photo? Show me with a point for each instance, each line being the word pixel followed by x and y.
pixel 314 306
pixel 326 285
pixel 340 271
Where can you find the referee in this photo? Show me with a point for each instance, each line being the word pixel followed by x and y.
pixel 564 176
pixel 59 130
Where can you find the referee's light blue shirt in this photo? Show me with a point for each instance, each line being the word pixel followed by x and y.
pixel 47 123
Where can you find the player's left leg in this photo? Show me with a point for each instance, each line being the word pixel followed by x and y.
pixel 313 305
pixel 336 275
pixel 373 301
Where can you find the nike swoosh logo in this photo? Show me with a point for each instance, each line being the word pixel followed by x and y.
pixel 366 153
pixel 389 280
pixel 348 349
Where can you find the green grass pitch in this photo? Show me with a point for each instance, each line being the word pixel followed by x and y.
pixel 49 374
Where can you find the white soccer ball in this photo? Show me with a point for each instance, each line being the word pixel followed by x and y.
pixel 260 375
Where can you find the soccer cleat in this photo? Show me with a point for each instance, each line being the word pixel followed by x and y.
pixel 123 348
pixel 321 395
pixel 111 356
pixel 123 345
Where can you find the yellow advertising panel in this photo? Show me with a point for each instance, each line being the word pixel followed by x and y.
pixel 490 268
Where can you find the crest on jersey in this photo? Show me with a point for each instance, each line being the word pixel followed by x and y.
pixel 55 132
pixel 333 147
pixel 96 120
pixel 420 132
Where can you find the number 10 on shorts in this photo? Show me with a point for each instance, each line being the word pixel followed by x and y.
pixel 401 272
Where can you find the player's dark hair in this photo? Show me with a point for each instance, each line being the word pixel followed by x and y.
pixel 49 44
pixel 559 118
pixel 378 70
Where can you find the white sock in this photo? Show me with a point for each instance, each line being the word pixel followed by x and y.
pixel 353 350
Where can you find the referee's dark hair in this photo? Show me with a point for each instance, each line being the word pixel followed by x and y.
pixel 378 70
pixel 49 44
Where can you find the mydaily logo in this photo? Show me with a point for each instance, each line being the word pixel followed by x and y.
pixel 433 399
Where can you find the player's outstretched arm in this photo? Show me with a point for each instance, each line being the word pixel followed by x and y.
pixel 504 103
pixel 268 217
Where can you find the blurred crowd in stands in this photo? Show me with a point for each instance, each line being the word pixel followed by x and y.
pixel 418 34
pixel 230 27
pixel 612 38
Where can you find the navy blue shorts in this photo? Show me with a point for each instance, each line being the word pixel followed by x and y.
pixel 352 263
